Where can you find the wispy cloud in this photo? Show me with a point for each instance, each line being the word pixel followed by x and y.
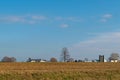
pixel 75 19
pixel 103 20
pixel 42 19
pixel 29 19
pixel 12 19
pixel 104 43
pixel 36 19
pixel 106 17
pixel 39 17
pixel 64 25
pixel 71 19
pixel 59 18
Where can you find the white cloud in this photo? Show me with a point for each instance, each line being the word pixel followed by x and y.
pixel 103 20
pixel 39 17
pixel 12 19
pixel 106 17
pixel 105 43
pixel 29 19
pixel 31 22
pixel 64 25
pixel 59 18
pixel 74 19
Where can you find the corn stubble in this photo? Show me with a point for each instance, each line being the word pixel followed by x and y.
pixel 59 71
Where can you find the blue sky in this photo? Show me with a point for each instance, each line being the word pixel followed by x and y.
pixel 41 28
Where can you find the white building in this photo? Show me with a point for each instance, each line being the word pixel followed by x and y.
pixel 113 60
pixel 35 60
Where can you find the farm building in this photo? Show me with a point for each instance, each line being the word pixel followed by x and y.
pixel 35 60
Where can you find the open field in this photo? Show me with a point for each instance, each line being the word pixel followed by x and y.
pixel 59 71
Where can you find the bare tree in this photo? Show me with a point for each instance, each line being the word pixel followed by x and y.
pixel 86 60
pixel 53 59
pixel 65 55
pixel 29 60
pixel 8 59
pixel 114 56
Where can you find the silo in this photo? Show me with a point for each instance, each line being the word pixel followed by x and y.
pixel 101 58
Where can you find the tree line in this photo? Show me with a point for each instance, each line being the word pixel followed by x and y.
pixel 64 57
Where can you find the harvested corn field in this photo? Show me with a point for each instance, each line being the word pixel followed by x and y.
pixel 59 71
